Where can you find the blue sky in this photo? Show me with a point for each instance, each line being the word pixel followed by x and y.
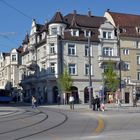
pixel 16 15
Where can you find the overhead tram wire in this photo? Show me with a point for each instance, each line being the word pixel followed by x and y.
pixel 17 10
pixel 12 41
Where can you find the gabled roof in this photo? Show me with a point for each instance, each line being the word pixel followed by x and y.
pixel 85 20
pixel 123 19
pixel 82 23
pixel 128 23
pixel 57 18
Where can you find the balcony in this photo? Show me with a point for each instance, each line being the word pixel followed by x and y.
pixel 103 58
pixel 30 79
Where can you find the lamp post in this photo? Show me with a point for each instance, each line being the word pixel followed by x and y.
pixel 120 63
pixel 90 82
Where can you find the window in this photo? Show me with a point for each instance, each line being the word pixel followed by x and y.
pixel 107 35
pixel 104 34
pixel 43 67
pixel 86 50
pixel 107 51
pixel 72 69
pixel 53 68
pixel 136 44
pixel 14 58
pixel 75 32
pixel 126 66
pixel 86 69
pixel 44 51
pixel 125 51
pixel 54 31
pixel 87 33
pixel 138 76
pixel 105 68
pixel 52 48
pixel 138 60
pixel 71 49
pixel 138 29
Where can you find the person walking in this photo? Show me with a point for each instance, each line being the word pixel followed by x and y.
pixel 34 102
pixel 98 103
pixel 58 99
pixel 71 102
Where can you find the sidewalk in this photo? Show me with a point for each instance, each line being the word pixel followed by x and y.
pixel 85 107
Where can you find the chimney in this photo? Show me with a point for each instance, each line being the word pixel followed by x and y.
pixel 89 13
pixel 108 10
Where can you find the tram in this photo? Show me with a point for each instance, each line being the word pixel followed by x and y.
pixel 5 96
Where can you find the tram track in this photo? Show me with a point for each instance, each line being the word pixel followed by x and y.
pixel 47 129
pixel 19 118
pixel 37 127
pixel 20 128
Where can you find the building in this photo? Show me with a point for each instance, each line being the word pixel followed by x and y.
pixel 9 63
pixel 128 27
pixel 65 40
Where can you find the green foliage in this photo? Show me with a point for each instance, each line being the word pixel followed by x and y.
pixel 110 77
pixel 65 81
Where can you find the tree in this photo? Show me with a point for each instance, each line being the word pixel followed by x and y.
pixel 65 81
pixel 110 77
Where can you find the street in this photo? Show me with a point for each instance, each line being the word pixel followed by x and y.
pixel 61 123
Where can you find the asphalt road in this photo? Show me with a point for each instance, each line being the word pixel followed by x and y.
pixel 60 123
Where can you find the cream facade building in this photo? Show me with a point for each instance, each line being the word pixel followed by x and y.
pixel 9 63
pixel 128 27
pixel 64 41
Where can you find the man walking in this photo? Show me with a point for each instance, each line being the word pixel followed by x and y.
pixel 71 102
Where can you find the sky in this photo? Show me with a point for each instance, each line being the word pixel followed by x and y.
pixel 16 15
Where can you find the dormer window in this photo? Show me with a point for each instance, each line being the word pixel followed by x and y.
pixel 107 35
pixel 138 30
pixel 87 33
pixel 124 30
pixel 14 58
pixel 75 32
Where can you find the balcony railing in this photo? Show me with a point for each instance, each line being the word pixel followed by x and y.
pixel 105 58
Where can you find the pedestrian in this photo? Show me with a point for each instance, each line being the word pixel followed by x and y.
pixel 71 102
pixel 98 103
pixel 102 107
pixel 34 102
pixel 93 103
pixel 58 99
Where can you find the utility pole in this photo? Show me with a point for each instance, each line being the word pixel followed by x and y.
pixel 120 63
pixel 90 82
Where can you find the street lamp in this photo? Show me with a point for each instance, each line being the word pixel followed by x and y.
pixel 120 63
pixel 90 82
